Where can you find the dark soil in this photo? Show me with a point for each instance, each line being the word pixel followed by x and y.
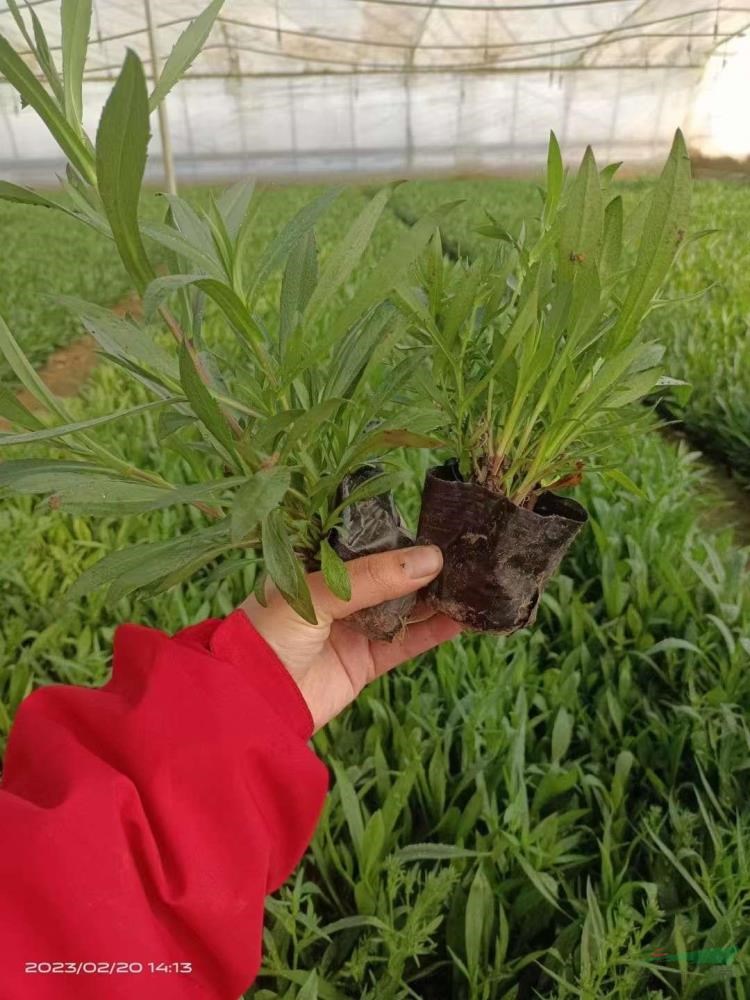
pixel 67 369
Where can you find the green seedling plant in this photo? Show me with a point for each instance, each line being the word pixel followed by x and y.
pixel 266 432
pixel 537 349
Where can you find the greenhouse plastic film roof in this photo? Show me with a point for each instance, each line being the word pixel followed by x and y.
pixel 305 87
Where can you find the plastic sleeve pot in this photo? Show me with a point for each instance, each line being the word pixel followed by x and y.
pixel 371 526
pixel 497 557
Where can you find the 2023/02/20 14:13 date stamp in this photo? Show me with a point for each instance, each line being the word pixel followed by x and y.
pixel 108 968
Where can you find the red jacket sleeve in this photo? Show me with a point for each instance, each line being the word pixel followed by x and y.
pixel 143 822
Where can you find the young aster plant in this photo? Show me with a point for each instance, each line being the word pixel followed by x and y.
pixel 272 406
pixel 535 352
pixel 535 355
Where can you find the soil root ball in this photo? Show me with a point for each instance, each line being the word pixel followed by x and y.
pixel 371 526
pixel 497 556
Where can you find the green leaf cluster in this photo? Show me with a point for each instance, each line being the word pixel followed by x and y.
pixel 266 434
pixel 536 349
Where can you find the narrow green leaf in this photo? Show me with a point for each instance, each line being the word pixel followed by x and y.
pixel 159 290
pixel 234 309
pixel 673 642
pixel 83 489
pixel 351 923
pixel 555 177
pixel 20 23
pixel 350 805
pixel 632 388
pixel 121 146
pixel 40 475
pixel 306 424
pixel 480 907
pixel 234 203
pixel 195 229
pixel 89 489
pixel 172 421
pixel 163 559
pixel 544 883
pixel 309 990
pixel 259 588
pixel 435 852
pixel 45 60
pixel 612 241
pixel 21 77
pixel 25 196
pixel 172 239
pixel 381 441
pixel 335 572
pixel 300 278
pixel 284 568
pixel 25 374
pixel 123 338
pixel 294 230
pixel 389 271
pixel 357 350
pixel 582 221
pixel 14 411
pixel 607 173
pixel 259 495
pixel 663 232
pixel 203 403
pixel 61 430
pixel 75 19
pixel 220 238
pixel 110 568
pixel 346 255
pixel 562 732
pixel 462 305
pixel 186 48
pixel 267 429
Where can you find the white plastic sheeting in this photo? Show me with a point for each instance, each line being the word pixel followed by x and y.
pixel 311 87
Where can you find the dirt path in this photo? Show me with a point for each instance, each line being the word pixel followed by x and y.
pixel 67 369
pixel 732 508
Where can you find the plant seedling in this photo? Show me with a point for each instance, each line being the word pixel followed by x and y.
pixel 535 356
pixel 273 406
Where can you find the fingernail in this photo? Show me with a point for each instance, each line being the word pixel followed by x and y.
pixel 422 560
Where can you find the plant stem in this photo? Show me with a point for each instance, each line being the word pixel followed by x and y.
pixel 179 335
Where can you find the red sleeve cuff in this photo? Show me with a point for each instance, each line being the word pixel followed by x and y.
pixel 235 640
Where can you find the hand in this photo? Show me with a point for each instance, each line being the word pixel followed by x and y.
pixel 331 662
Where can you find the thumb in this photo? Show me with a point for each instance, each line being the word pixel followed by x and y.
pixel 377 578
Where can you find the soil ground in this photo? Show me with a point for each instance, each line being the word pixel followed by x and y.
pixel 732 507
pixel 66 370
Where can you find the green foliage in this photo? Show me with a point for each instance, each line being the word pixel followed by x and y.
pixel 186 48
pixel 121 144
pixel 76 22
pixel 704 326
pixel 266 401
pixel 536 348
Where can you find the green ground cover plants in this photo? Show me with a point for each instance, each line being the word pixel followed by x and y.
pixel 45 256
pixel 596 765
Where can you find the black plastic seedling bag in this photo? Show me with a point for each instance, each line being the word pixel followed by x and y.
pixel 497 557
pixel 371 526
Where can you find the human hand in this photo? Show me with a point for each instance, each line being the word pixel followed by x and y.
pixel 331 662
